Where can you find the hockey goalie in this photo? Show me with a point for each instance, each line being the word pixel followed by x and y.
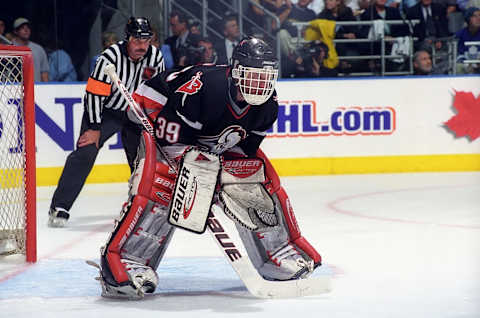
pixel 201 167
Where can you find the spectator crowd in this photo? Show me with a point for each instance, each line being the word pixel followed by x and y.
pixel 315 47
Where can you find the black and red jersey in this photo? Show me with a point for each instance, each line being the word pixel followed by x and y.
pixel 194 106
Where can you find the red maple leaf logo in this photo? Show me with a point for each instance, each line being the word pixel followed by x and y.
pixel 467 120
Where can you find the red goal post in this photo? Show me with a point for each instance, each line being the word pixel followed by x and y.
pixel 17 153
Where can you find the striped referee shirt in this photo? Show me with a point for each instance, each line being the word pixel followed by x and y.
pixel 101 94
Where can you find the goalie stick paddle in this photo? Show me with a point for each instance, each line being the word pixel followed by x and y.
pixel 223 231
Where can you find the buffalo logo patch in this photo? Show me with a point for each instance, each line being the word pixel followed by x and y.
pixel 192 86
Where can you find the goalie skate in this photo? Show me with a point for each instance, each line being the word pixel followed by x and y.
pixel 143 280
pixel 286 264
pixel 57 217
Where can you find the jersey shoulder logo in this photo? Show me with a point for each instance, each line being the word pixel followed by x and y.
pixel 192 86
pixel 148 73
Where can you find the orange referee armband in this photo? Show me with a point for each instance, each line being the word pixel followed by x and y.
pixel 98 88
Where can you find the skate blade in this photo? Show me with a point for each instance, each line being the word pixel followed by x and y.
pixel 56 222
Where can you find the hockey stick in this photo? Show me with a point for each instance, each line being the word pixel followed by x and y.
pixel 223 231
pixel 137 111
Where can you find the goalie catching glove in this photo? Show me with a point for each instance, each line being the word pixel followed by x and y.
pixel 252 196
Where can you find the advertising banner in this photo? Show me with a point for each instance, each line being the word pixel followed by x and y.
pixel 323 127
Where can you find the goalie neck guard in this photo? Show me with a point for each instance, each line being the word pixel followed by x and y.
pixel 255 70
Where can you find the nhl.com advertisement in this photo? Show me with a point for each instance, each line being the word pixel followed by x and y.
pixel 317 120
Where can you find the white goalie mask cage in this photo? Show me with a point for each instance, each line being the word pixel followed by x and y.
pixel 255 70
pixel 256 84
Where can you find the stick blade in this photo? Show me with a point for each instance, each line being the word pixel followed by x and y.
pixel 291 289
pixel 219 225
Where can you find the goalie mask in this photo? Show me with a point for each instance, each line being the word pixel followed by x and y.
pixel 255 70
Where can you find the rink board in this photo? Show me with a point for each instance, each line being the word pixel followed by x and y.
pixel 340 126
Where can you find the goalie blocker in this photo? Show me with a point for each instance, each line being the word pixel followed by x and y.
pixel 249 192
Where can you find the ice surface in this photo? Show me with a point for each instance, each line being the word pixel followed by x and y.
pixel 396 245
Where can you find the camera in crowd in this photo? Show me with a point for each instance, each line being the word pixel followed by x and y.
pixel 313 50
pixel 195 52
pixel 310 58
pixel 191 53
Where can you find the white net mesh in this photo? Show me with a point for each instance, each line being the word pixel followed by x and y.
pixel 12 156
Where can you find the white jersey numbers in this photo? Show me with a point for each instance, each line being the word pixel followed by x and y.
pixel 169 131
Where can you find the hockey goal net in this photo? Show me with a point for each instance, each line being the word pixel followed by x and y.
pixel 17 153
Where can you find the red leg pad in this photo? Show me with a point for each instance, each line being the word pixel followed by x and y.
pixel 145 185
pixel 157 180
pixel 273 185
pixel 163 184
pixel 289 215
pixel 302 243
pixel 120 235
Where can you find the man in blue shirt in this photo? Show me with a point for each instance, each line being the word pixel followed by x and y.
pixel 467 34
pixel 61 67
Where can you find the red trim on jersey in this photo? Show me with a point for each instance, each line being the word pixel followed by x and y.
pixel 235 114
pixel 150 106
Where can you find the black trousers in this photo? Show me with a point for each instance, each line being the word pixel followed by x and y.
pixel 80 162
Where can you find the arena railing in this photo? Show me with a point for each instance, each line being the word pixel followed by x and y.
pixel 383 57
pixel 238 8
pixel 445 58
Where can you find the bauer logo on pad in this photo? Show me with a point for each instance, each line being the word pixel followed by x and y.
pixel 194 190
pixel 190 199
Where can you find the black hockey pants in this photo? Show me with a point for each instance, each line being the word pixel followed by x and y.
pixel 80 162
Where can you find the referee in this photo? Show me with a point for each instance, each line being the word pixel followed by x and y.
pixel 136 61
